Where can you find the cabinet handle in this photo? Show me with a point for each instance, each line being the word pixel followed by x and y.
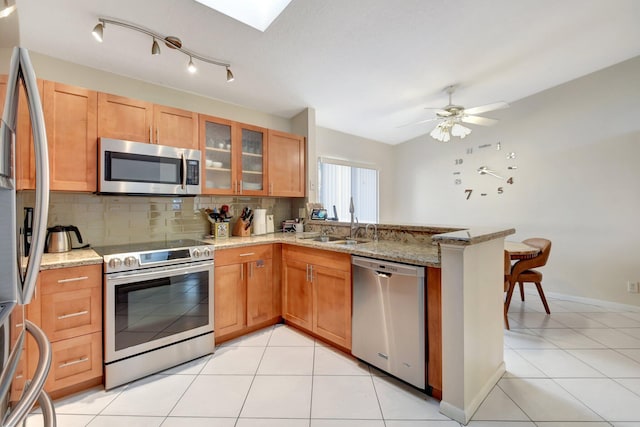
pixel 271 188
pixel 241 273
pixel 19 377
pixel 73 362
pixel 19 325
pixel 240 191
pixel 157 136
pixel 250 270
pixel 248 254
pixel 80 313
pixel 73 279
pixel 150 135
pixel 311 274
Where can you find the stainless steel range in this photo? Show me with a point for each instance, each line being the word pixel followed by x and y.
pixel 158 307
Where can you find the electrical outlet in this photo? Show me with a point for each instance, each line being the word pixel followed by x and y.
pixel 632 287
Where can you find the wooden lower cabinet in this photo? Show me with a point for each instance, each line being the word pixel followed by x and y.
pixel 434 332
pixel 245 293
pixel 317 292
pixel 68 307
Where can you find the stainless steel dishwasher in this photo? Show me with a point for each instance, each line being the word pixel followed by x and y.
pixel 388 320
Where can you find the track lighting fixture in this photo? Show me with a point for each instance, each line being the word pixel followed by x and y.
pixel 170 41
pixel 6 9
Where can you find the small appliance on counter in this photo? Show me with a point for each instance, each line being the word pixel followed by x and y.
pixel 259 222
pixel 289 225
pixel 270 227
pixel 59 238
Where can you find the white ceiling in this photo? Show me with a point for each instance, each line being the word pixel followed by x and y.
pixel 366 66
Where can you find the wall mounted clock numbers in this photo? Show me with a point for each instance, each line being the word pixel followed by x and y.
pixel 484 170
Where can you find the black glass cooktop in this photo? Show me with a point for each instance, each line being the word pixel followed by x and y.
pixel 148 246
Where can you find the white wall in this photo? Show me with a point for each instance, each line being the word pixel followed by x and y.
pixel 578 182
pixel 338 145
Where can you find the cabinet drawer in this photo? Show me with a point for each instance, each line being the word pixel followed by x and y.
pixel 243 254
pixel 69 314
pixel 75 360
pixel 70 279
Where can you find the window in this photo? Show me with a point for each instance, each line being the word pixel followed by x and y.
pixel 339 181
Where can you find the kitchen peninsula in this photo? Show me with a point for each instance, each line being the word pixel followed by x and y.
pixel 464 274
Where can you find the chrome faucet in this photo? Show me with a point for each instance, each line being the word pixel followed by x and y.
pixel 375 231
pixel 354 228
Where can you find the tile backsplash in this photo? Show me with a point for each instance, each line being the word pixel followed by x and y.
pixel 106 220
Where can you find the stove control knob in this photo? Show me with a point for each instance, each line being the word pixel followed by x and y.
pixel 115 263
pixel 196 253
pixel 206 252
pixel 130 261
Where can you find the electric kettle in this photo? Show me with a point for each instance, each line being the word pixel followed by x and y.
pixel 59 238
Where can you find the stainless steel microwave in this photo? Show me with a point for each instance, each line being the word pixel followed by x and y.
pixel 135 168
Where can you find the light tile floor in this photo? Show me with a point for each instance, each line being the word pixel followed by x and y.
pixel 579 367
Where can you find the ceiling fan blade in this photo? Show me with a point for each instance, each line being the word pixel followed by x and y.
pixel 477 120
pixel 418 123
pixel 485 108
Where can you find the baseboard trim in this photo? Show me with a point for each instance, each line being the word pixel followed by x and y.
pixel 585 300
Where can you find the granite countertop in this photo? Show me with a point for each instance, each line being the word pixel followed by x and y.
pixel 409 253
pixel 74 258
pixel 423 254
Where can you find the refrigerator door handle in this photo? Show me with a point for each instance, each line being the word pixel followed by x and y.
pixel 34 389
pixel 41 209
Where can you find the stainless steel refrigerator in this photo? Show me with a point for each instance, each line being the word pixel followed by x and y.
pixel 18 273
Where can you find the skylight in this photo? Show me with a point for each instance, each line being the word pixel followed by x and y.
pixel 258 14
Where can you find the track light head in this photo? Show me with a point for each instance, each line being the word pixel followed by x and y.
pixel 191 66
pixel 230 77
pixel 155 48
pixel 97 31
pixel 6 9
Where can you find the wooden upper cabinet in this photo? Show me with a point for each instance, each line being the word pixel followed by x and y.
pixel 175 127
pixel 71 121
pixel 124 118
pixel 135 120
pixel 286 164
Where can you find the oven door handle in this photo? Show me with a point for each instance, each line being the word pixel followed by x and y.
pixel 159 272
pixel 184 171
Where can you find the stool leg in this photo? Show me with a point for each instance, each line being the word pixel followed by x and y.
pixel 521 290
pixel 507 302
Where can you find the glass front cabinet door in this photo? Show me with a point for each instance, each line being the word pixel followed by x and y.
pixel 234 157
pixel 252 160
pixel 216 144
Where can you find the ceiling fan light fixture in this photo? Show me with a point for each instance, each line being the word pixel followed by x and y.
pixel 155 48
pixel 97 31
pixel 460 131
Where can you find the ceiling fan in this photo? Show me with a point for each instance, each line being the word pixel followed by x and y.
pixel 452 116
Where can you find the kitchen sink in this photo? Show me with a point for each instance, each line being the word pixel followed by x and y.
pixel 350 242
pixel 326 239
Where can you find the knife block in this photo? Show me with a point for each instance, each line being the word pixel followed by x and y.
pixel 240 228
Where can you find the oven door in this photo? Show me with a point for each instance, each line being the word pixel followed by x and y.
pixel 153 308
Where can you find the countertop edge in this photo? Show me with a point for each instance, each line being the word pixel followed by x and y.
pixel 472 236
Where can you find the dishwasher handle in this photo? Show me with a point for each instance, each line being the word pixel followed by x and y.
pixel 386 267
pixel 384 274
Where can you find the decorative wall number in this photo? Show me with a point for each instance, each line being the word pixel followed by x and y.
pixel 481 167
